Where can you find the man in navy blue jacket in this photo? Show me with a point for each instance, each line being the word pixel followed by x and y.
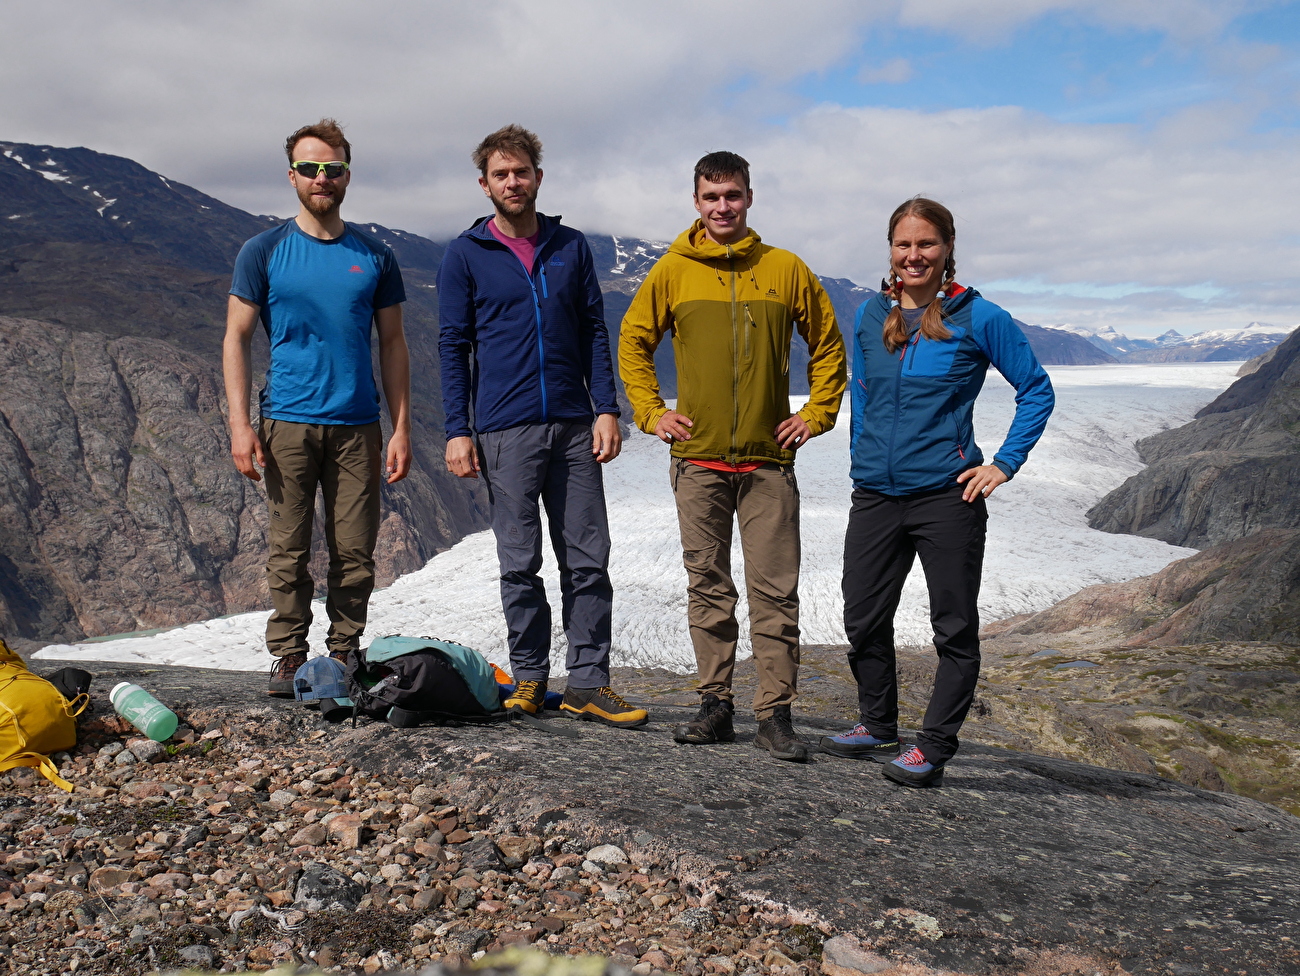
pixel 523 341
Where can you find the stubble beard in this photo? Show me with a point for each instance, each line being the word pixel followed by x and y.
pixel 514 210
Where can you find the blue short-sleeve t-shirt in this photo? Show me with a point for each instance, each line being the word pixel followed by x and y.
pixel 318 300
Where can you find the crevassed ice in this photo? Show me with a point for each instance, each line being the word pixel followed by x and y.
pixel 1040 548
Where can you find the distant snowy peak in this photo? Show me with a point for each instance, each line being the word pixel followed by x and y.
pixel 1253 331
pixel 1109 341
pixel 1213 345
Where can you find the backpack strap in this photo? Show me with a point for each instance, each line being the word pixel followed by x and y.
pixel 34 760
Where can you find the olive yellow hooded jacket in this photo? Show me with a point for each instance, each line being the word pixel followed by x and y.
pixel 732 310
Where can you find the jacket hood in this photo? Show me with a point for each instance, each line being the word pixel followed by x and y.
pixel 695 244
pixel 546 227
pixel 960 298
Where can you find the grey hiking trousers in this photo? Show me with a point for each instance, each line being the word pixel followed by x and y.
pixel 551 465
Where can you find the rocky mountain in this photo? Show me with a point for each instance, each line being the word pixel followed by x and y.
pixel 1213 346
pixel 1230 472
pixel 1053 347
pixel 1252 365
pixel 119 509
pixel 1244 590
pixel 1109 341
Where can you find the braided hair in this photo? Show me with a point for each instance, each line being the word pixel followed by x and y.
pixel 938 216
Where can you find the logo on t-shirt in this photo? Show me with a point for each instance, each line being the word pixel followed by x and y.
pixel 356 269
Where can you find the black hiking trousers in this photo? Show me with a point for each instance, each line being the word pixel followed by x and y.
pixel 885 534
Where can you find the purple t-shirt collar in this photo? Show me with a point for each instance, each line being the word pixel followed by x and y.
pixel 524 248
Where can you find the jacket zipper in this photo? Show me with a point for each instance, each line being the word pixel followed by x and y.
pixel 750 325
pixel 898 409
pixel 541 346
pixel 735 357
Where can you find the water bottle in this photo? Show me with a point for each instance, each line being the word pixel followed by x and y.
pixel 143 710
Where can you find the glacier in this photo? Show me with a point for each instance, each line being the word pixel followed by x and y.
pixel 1040 548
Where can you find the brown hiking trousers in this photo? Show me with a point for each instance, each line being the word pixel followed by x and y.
pixel 766 504
pixel 345 462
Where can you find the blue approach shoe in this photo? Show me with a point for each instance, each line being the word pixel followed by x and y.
pixel 912 769
pixel 859 743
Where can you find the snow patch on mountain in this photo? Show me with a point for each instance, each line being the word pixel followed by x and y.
pixel 633 258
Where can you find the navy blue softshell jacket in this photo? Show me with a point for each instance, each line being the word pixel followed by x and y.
pixel 522 348
pixel 912 429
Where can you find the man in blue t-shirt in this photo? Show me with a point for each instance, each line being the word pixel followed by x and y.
pixel 317 284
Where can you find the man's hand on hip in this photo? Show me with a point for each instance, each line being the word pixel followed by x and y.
pixel 792 433
pixel 245 446
pixel 606 438
pixel 399 456
pixel 462 458
pixel 674 426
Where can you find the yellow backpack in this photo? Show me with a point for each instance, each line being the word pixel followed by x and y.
pixel 35 719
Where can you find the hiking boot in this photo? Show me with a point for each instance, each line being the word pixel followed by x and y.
pixel 341 656
pixel 713 723
pixel 282 672
pixel 776 735
pixel 528 697
pixel 602 705
pixel 859 743
pixel 913 769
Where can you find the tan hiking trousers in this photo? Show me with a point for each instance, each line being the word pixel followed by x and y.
pixel 345 461
pixel 766 504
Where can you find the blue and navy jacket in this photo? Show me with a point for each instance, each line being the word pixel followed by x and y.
pixel 522 348
pixel 912 408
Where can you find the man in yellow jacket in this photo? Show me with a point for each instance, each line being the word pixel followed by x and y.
pixel 732 304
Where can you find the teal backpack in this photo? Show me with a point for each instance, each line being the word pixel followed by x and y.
pixel 410 680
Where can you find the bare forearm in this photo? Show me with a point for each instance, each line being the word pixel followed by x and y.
pixel 395 374
pixel 235 359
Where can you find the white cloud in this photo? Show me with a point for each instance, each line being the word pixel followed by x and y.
pixel 626 97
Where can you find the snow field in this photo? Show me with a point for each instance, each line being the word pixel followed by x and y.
pixel 1040 548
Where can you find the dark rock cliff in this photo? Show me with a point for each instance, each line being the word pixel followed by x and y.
pixel 119 506
pixel 1231 472
pixel 1244 590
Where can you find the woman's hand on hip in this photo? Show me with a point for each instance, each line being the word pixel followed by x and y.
pixel 981 482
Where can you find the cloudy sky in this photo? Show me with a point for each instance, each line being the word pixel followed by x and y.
pixel 1133 163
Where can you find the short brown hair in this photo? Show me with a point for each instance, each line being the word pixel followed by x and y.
pixel 509 140
pixel 718 167
pixel 327 131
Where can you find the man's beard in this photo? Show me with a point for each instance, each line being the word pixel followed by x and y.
pixel 321 206
pixel 514 209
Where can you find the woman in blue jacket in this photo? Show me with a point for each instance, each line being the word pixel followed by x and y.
pixel 921 349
